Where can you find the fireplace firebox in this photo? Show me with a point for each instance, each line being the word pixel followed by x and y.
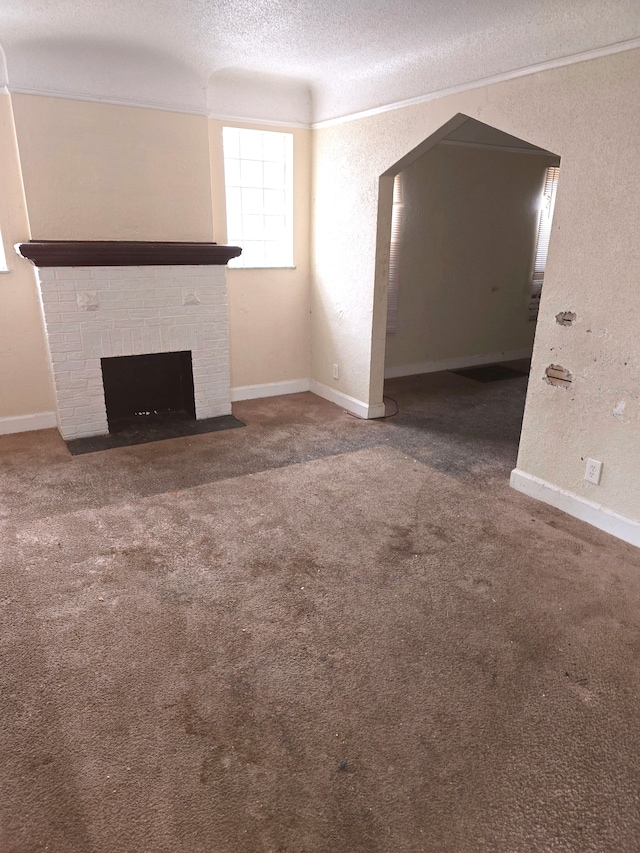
pixel 148 388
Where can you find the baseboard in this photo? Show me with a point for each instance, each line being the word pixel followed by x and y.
pixel 27 423
pixel 269 389
pixel 579 507
pixel 356 407
pixel 455 363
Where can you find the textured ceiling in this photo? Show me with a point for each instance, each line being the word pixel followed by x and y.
pixel 341 57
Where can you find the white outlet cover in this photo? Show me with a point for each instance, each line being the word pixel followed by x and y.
pixel 593 471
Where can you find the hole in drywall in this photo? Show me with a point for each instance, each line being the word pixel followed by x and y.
pixel 555 374
pixel 566 318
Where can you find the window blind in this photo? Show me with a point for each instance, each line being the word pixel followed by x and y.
pixel 397 216
pixel 544 235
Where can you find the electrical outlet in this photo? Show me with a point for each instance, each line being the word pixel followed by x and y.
pixel 593 471
pixel 336 372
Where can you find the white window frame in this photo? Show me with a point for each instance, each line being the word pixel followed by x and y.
pixel 258 167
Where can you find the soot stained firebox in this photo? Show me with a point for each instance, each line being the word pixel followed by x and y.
pixel 148 390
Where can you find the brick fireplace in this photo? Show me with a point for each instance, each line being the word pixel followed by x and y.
pixel 102 300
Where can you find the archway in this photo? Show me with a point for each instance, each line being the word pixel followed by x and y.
pixel 476 218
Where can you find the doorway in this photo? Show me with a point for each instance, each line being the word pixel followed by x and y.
pixel 466 220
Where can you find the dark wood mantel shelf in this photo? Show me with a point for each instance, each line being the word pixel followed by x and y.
pixel 123 253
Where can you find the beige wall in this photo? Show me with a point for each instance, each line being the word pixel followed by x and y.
pixel 268 309
pixel 587 113
pixel 25 383
pixel 468 239
pixel 97 171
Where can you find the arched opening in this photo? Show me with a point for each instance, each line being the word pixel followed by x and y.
pixel 464 221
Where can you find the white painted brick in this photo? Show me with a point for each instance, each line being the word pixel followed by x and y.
pixel 137 272
pixel 74 337
pixel 136 342
pixel 165 337
pixel 171 271
pixel 76 384
pixel 73 273
pixel 57 337
pixel 68 347
pixel 59 327
pixel 127 346
pixel 156 339
pixel 115 342
pixel 83 411
pixel 107 350
pixel 141 311
pixel 108 273
pixel 52 318
pixel 67 286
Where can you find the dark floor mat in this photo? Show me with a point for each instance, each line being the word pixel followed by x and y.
pixel 145 430
pixel 489 373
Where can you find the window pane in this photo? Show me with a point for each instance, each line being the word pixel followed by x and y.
pixel 234 198
pixel 251 174
pixel 274 175
pixel 232 172
pixel 231 141
pixel 274 227
pixel 253 226
pixel 277 255
pixel 273 146
pixel 252 201
pixel 251 145
pixel 254 254
pixel 274 201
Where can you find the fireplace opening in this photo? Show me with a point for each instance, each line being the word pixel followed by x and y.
pixel 148 391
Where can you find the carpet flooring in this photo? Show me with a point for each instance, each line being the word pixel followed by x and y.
pixel 315 634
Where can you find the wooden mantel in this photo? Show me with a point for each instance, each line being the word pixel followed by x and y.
pixel 124 253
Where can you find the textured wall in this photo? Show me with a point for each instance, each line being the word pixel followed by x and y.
pixel 470 223
pixel 587 113
pixel 25 381
pixel 268 309
pixel 103 172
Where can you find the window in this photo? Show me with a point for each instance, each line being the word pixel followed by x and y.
pixel 258 172
pixel 544 235
pixel 397 216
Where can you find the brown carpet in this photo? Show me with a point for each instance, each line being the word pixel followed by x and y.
pixel 314 634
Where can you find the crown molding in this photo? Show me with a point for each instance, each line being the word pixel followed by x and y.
pixel 263 121
pixel 572 59
pixel 98 99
